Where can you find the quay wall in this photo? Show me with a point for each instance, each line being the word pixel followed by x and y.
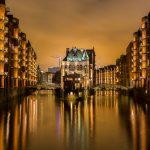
pixel 8 94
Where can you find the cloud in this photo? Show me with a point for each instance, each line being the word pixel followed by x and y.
pixel 53 25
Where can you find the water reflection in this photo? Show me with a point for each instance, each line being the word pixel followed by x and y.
pixel 107 120
pixel 79 122
pixel 16 121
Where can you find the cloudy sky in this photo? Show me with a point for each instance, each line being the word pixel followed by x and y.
pixel 54 25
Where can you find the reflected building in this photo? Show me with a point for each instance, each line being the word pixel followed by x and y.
pixel 78 122
pixel 134 119
pixel 139 127
pixel 41 121
pixel 2 129
pixel 107 99
pixel 16 124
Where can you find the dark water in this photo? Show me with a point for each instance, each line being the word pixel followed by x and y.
pixel 106 121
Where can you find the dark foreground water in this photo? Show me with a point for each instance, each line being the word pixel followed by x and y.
pixel 106 121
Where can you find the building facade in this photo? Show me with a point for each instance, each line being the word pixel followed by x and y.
pixel 106 76
pixel 141 55
pixel 78 69
pixel 92 66
pixel 133 68
pixel 2 42
pixel 54 75
pixel 129 61
pixel 121 71
pixel 18 66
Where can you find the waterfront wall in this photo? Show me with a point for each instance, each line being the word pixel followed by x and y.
pixel 12 93
pixel 140 94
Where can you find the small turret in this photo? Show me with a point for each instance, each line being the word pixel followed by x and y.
pixel 67 51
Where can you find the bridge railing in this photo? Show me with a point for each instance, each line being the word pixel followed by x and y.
pixel 111 86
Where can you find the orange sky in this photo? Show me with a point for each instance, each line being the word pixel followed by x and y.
pixel 54 25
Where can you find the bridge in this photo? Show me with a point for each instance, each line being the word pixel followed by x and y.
pixel 42 87
pixel 52 86
pixel 111 87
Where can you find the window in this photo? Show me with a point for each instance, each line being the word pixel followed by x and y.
pixel 66 66
pixel 145 24
pixel 71 67
pixel 80 67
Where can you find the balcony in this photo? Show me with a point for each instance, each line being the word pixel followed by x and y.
pixel 144 65
pixel 6 30
pixel 6 40
pixel 134 69
pixel 144 58
pixel 16 31
pixel 1 25
pixel 144 42
pixel 6 60
pixel 6 20
pixel 143 74
pixel 6 49
pixel 15 65
pixel 6 73
pixel 2 17
pixel 15 74
pixel 144 50
pixel 1 59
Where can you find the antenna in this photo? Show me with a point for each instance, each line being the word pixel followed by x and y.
pixel 59 60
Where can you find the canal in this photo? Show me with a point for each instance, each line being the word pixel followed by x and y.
pixel 106 121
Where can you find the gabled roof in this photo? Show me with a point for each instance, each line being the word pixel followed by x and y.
pixel 75 54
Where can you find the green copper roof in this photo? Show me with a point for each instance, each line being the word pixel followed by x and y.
pixel 77 55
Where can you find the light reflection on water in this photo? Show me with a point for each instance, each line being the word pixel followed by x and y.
pixel 106 121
